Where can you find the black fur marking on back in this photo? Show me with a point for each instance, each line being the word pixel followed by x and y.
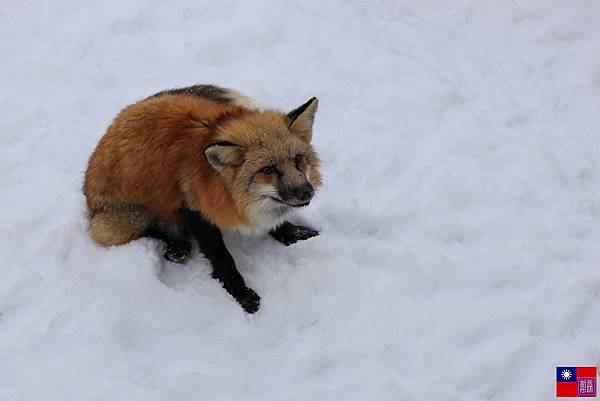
pixel 209 92
pixel 294 114
pixel 223 143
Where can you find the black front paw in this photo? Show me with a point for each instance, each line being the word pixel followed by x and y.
pixel 246 297
pixel 289 233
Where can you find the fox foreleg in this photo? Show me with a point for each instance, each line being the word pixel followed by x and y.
pixel 211 244
pixel 288 233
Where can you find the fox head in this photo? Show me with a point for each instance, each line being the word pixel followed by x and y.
pixel 267 161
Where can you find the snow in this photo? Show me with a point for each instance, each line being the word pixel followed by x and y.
pixel 460 217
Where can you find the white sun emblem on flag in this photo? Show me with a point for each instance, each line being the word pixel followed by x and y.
pixel 566 374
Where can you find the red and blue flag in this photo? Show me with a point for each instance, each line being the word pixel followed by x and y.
pixel 576 381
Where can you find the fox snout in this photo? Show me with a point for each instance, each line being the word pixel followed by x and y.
pixel 297 195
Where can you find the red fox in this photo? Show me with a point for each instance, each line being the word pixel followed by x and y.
pixel 196 161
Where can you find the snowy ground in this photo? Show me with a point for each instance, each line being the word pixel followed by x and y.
pixel 460 246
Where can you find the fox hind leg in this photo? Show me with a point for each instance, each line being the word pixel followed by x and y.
pixel 178 246
pixel 178 250
pixel 118 225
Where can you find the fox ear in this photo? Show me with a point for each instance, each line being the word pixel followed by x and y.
pixel 224 154
pixel 302 118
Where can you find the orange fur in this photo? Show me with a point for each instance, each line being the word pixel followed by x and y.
pixel 151 162
pixel 153 156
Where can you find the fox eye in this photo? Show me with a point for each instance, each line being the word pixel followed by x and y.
pixel 267 170
pixel 297 159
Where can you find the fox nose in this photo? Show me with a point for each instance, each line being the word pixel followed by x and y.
pixel 304 192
